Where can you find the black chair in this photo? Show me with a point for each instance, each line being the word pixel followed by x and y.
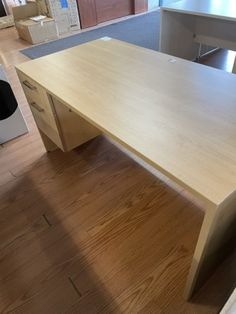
pixel 8 103
pixel 2 9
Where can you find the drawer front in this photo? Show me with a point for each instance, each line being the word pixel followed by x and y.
pixel 40 113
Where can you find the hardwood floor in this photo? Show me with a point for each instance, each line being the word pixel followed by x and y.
pixel 91 231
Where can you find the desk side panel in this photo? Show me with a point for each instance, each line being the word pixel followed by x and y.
pixel 217 236
pixel 74 130
pixel 177 35
pixel 234 67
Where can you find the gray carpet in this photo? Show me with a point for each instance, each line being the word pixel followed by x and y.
pixel 140 30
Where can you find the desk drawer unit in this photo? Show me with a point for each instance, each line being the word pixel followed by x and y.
pixel 41 109
pixel 62 126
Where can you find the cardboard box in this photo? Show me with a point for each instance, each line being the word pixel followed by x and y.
pixel 31 31
pixel 64 12
pixel 23 12
pixel 6 21
pixel 37 32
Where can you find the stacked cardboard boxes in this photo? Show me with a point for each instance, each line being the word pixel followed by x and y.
pixel 64 12
pixel 29 30
pixel 62 17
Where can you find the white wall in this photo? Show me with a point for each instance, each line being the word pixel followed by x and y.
pixel 153 4
pixel 165 2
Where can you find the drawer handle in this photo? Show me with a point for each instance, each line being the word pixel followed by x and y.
pixel 36 106
pixel 30 86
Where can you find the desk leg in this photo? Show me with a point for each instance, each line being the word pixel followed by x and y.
pixel 48 144
pixel 219 227
pixel 234 68
pixel 177 35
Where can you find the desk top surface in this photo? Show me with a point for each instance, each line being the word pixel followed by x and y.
pixel 223 9
pixel 177 115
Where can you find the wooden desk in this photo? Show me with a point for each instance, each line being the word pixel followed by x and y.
pixel 167 111
pixel 188 23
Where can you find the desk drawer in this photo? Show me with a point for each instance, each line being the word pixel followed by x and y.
pixel 40 113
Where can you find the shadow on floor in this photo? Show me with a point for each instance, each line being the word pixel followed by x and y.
pixel 91 231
